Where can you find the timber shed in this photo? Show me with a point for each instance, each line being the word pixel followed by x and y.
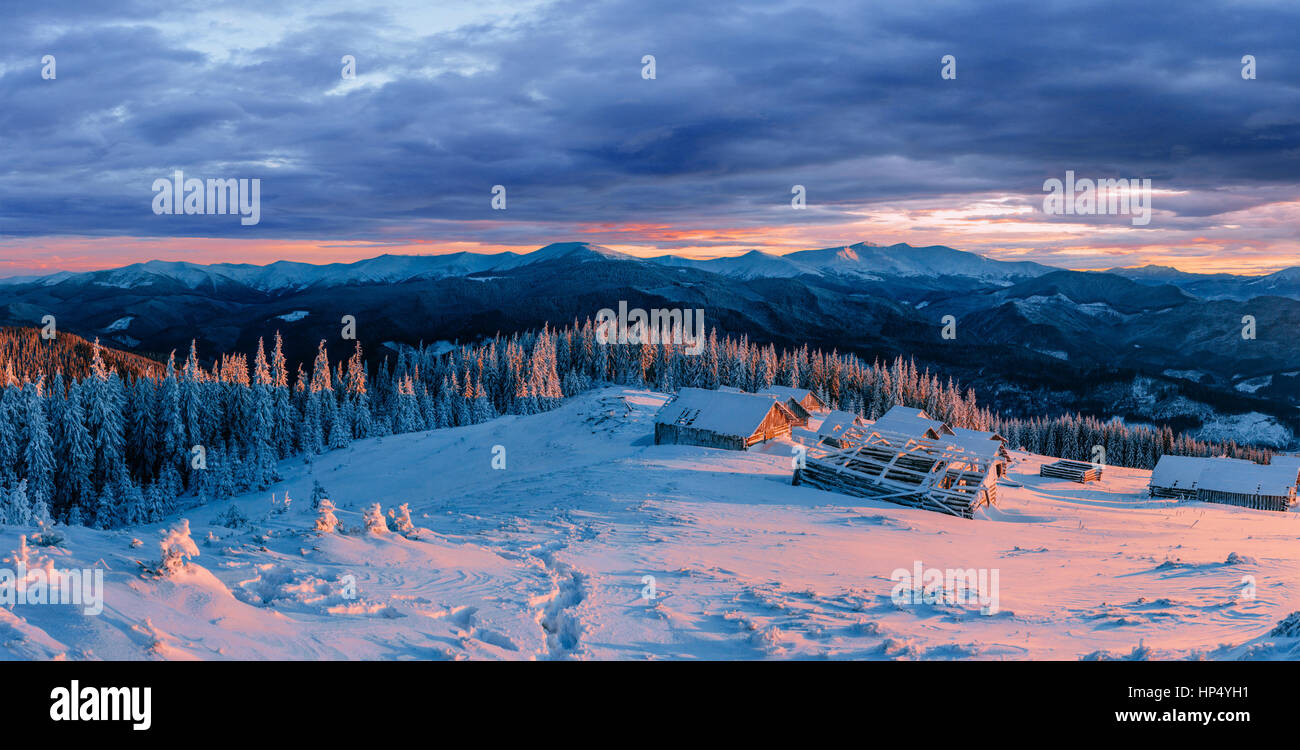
pixel 718 419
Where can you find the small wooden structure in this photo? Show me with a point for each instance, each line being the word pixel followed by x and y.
pixel 840 428
pixel 1179 476
pixel 1075 471
pixel 801 415
pixel 981 441
pixel 904 420
pixel 1250 486
pixel 914 471
pixel 719 419
pixel 806 399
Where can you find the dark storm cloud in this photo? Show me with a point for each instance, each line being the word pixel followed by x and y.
pixel 845 98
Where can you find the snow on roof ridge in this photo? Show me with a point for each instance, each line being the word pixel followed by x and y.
pixel 1222 474
pixel 717 411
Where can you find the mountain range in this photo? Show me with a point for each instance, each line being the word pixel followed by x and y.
pixel 1146 344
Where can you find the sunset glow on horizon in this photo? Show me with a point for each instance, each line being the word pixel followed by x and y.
pixel 999 227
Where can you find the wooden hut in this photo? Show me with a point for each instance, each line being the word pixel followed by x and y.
pixel 903 420
pixel 1179 476
pixel 1250 485
pixel 801 415
pixel 718 419
pixel 988 443
pixel 916 472
pixel 806 399
pixel 841 428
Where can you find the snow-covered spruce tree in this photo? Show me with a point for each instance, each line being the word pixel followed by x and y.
pixel 402 519
pixel 106 507
pixel 358 395
pixel 177 547
pixel 264 451
pixel 134 509
pixel 312 434
pixel 40 511
pixel 373 519
pixel 17 508
pixel 105 422
pixel 8 435
pixel 340 430
pixel 318 494
pixel 38 449
pixel 326 522
pixel 233 518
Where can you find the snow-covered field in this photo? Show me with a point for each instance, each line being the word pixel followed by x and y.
pixel 546 558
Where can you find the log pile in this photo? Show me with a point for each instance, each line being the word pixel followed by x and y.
pixel 1075 471
pixel 916 472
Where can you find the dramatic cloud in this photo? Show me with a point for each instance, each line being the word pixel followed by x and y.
pixel 548 100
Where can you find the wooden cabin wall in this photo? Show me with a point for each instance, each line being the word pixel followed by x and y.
pixel 775 424
pixel 1257 502
pixel 684 435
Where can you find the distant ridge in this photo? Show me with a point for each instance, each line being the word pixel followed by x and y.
pixel 861 260
pixel 861 263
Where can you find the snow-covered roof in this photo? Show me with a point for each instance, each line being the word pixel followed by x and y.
pixel 1183 472
pixel 785 391
pixel 907 421
pixel 722 412
pixel 839 422
pixel 1224 475
pixel 1248 478
pixel 977 444
pixel 1290 461
pixel 966 432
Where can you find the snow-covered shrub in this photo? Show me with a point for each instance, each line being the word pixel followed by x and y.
pixel 233 518
pixel 177 547
pixel 374 520
pixel 326 522
pixel 48 536
pixel 402 519
pixel 280 507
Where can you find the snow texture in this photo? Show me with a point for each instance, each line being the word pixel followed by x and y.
pixel 547 560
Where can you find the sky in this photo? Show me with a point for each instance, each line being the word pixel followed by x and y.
pixel 550 101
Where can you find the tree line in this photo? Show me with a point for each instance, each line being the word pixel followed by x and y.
pixel 113 448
